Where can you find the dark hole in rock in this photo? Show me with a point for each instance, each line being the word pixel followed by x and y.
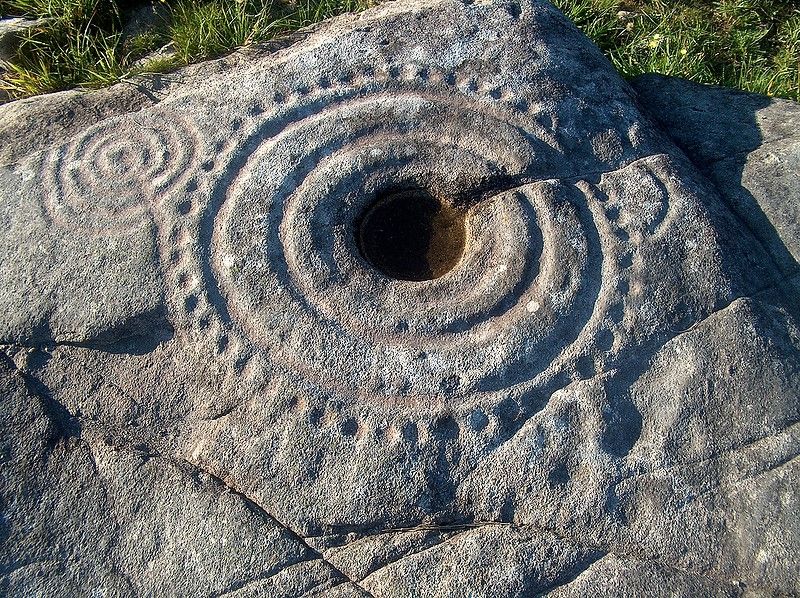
pixel 411 235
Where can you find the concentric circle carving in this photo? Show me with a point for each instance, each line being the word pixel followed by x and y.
pixel 108 177
pixel 286 280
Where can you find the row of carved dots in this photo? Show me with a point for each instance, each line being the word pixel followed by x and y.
pixel 444 427
pixel 192 301
pixel 401 73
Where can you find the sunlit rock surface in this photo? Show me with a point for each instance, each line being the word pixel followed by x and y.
pixel 220 378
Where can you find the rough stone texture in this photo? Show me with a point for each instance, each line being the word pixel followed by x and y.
pixel 207 390
pixel 747 144
pixel 10 30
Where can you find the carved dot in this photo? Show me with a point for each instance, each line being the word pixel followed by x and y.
pixel 185 207
pixel 559 476
pixel 546 121
pixel 444 428
pixel 191 186
pixel 478 420
pixel 514 9
pixel 348 427
pixel 411 235
pixel 495 94
pixel 190 303
pixel 605 340
pixel 601 195
pixel 585 367
pixel 208 165
pixel 240 364
pixel 315 416
pixel 410 433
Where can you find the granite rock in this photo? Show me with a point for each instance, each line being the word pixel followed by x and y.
pixel 747 144
pixel 11 28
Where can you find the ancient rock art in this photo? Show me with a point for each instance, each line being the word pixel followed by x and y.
pixel 427 299
pixel 106 178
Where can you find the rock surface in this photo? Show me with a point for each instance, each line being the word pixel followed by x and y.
pixel 207 388
pixel 747 144
pixel 10 31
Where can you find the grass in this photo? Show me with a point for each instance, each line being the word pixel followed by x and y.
pixel 201 30
pixel 82 43
pixel 75 44
pixel 748 44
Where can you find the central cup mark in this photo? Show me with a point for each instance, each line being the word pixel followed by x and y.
pixel 412 235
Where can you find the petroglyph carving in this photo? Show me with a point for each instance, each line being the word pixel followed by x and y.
pixel 583 352
pixel 110 175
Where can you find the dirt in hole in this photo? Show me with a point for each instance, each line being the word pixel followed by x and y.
pixel 412 235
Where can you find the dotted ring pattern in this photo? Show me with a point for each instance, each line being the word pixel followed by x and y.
pixel 285 293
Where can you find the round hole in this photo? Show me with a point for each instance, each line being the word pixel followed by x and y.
pixel 411 235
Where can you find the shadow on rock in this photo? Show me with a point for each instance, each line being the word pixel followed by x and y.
pixel 743 143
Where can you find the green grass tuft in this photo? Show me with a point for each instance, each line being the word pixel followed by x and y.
pixel 158 64
pixel 749 44
pixel 204 29
pixel 76 44
pixel 80 42
pixel 65 11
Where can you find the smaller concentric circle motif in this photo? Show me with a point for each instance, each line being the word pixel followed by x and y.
pixel 109 176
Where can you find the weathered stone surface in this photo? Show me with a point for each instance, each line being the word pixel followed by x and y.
pixel 89 512
pixel 747 144
pixel 205 374
pixel 10 30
